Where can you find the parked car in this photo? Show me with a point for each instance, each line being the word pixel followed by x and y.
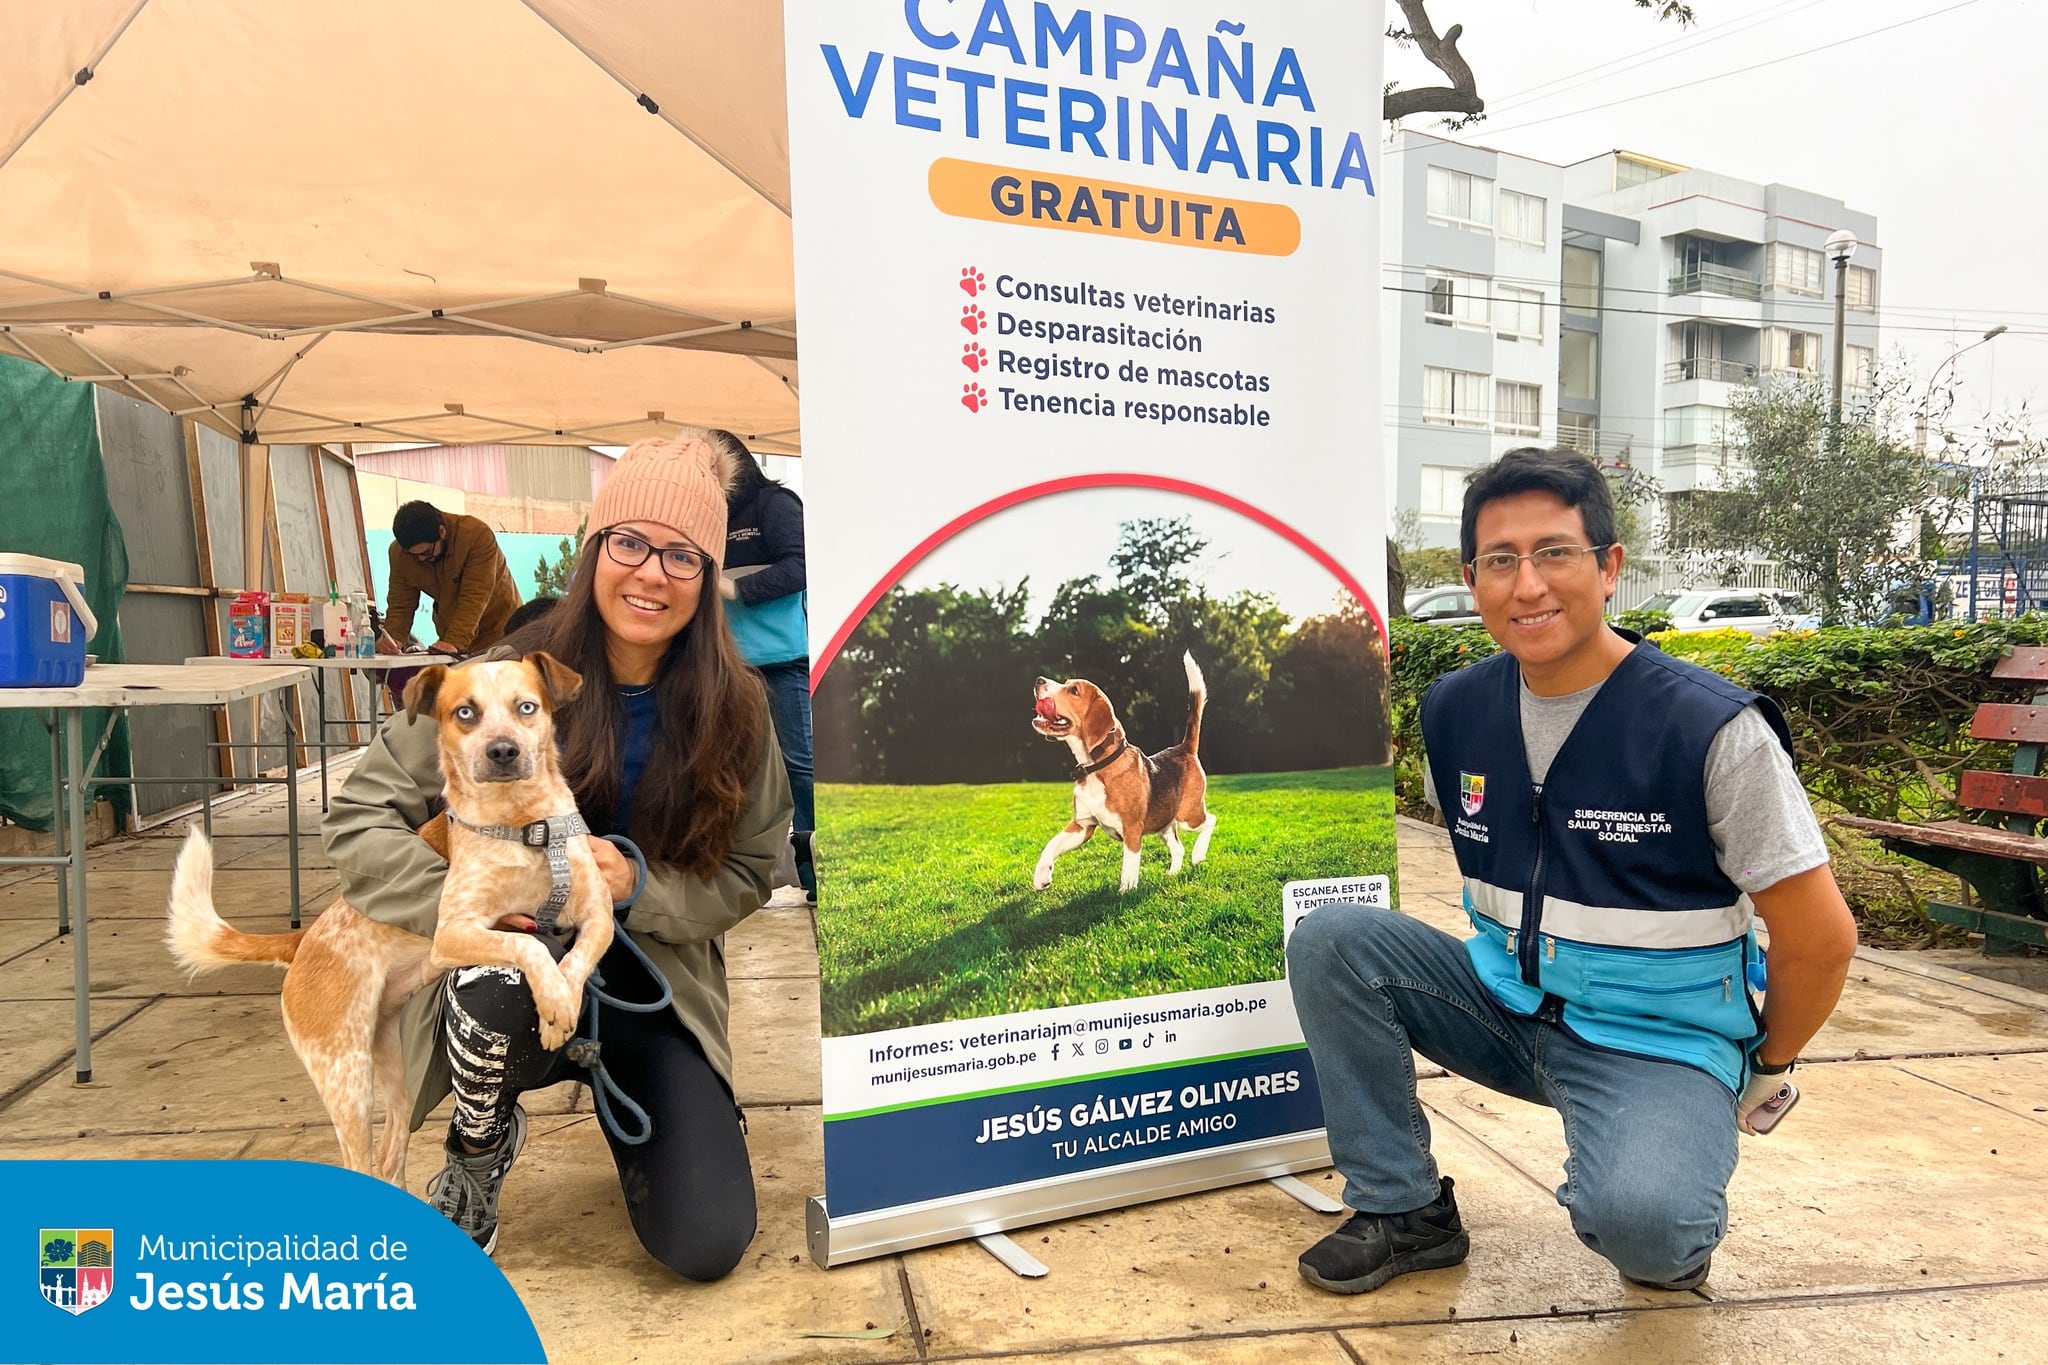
pixel 1449 604
pixel 1759 611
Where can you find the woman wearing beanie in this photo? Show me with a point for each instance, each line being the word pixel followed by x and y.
pixel 762 580
pixel 668 743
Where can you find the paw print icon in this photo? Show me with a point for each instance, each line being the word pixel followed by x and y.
pixel 973 397
pixel 973 281
pixel 973 319
pixel 974 356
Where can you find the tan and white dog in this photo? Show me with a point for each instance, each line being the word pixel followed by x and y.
pixel 347 975
pixel 1117 786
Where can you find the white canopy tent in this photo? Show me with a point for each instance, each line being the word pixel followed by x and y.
pixel 512 221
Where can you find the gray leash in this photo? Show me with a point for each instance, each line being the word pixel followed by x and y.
pixel 585 1050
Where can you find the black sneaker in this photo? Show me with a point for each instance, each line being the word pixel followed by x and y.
pixel 1692 1279
pixel 466 1190
pixel 1372 1248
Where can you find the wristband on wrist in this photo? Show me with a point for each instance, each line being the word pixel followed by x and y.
pixel 1764 1069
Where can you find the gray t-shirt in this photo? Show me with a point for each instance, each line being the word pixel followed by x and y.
pixel 1757 812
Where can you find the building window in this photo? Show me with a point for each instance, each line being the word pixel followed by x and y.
pixel 1629 171
pixel 1454 398
pixel 1518 314
pixel 1859 366
pixel 1461 200
pixel 1581 280
pixel 1789 350
pixel 1456 300
pixel 1443 491
pixel 1861 288
pixel 1795 269
pixel 1518 408
pixel 1696 425
pixel 1521 217
pixel 1578 369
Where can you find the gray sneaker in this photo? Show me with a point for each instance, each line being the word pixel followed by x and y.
pixel 466 1190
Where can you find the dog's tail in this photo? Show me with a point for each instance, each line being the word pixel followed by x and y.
pixel 196 934
pixel 1198 697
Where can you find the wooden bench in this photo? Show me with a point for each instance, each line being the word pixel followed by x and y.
pixel 2003 862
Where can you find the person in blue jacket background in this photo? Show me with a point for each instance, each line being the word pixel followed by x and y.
pixel 1617 815
pixel 763 580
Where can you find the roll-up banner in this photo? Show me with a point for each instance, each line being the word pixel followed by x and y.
pixel 1089 300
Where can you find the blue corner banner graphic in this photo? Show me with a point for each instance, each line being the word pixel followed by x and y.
pixel 242 1261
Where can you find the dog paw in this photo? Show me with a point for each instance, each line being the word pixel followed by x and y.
pixel 555 1034
pixel 558 1016
pixel 1126 886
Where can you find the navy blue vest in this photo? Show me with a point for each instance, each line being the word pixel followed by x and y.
pixel 1598 899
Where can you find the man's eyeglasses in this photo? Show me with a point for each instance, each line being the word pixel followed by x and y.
pixel 630 550
pixel 1552 561
pixel 425 553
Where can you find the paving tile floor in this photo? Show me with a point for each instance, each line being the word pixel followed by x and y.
pixel 1901 1214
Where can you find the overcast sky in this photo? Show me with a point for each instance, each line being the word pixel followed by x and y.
pixel 1934 127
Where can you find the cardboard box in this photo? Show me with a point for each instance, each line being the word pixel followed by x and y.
pixel 291 623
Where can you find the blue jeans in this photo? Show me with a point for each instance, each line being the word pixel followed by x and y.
pixel 789 704
pixel 1651 1145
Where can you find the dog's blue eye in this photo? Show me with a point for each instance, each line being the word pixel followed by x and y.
pixel 465 712
pixel 527 708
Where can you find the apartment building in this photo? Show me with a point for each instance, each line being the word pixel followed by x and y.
pixel 1613 305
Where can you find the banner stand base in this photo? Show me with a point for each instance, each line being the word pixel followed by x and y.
pixel 1014 1257
pixel 1307 1194
pixel 839 1240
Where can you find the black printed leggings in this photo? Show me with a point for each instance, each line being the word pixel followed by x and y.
pixel 690 1188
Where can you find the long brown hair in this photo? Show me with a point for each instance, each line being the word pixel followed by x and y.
pixel 711 720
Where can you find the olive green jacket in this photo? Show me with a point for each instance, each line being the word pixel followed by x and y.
pixel 389 873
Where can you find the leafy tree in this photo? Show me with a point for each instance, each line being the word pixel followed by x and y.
pixel 1153 556
pixel 1460 99
pixel 1828 500
pixel 553 580
pixel 1422 565
pixel 934 685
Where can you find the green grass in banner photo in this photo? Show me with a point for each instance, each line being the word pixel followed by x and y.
pixel 930 914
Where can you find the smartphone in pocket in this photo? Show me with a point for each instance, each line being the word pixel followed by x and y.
pixel 1765 1116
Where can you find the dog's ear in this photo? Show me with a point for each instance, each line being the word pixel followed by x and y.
pixel 423 689
pixel 561 681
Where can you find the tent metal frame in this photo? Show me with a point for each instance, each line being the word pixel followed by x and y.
pixel 243 418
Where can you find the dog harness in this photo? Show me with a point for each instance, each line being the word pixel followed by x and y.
pixel 551 835
pixel 1087 770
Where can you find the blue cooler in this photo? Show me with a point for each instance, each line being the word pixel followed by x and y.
pixel 44 622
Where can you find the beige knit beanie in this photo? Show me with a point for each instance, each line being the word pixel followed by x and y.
pixel 680 483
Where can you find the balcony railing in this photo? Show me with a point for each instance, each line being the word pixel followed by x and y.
pixel 1709 367
pixel 1611 449
pixel 1718 279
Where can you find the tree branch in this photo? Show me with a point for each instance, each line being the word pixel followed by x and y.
pixel 1461 96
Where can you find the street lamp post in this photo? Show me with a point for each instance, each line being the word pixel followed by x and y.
pixel 1975 472
pixel 1841 245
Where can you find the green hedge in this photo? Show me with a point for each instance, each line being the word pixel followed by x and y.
pixel 1880 717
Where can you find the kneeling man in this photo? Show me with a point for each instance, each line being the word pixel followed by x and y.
pixel 1616 813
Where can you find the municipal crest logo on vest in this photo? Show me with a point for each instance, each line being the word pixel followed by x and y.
pixel 1472 791
pixel 76 1267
